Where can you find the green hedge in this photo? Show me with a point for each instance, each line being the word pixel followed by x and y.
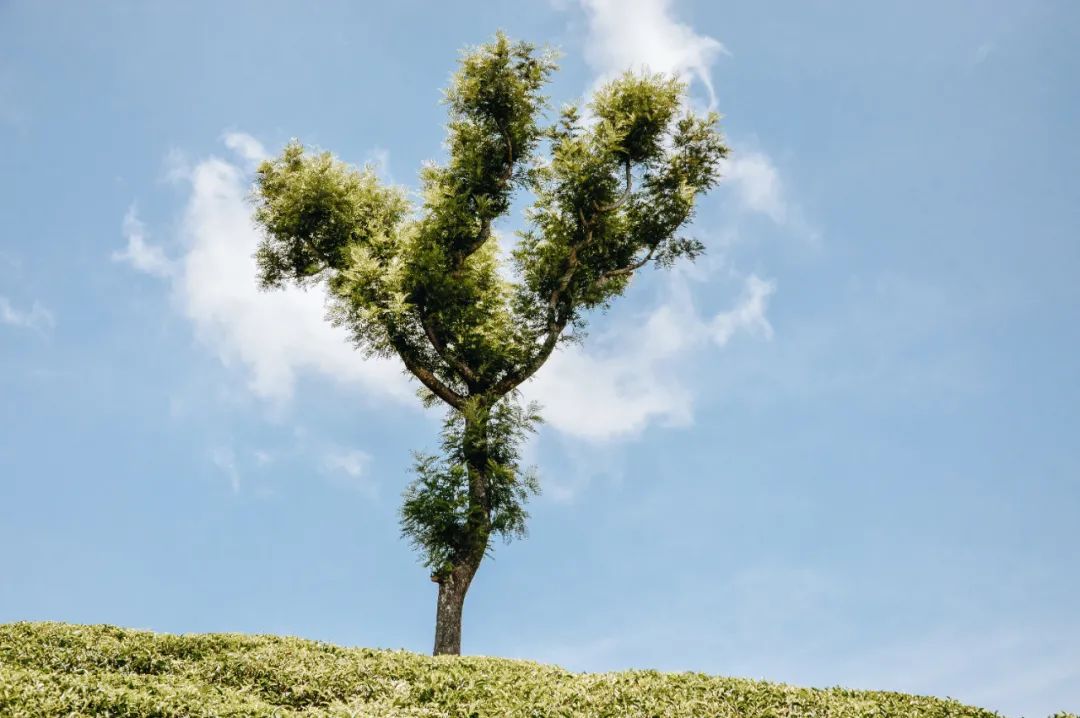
pixel 52 669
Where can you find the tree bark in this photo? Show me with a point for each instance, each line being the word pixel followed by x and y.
pixel 454 584
pixel 448 610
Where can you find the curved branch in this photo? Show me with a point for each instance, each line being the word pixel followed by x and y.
pixel 467 373
pixel 485 223
pixel 426 376
pixel 625 195
pixel 572 263
pixel 628 269
pixel 513 380
pixel 557 321
pixel 441 349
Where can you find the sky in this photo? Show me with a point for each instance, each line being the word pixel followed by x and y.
pixel 840 449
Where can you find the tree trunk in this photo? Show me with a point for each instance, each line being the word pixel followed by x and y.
pixel 452 590
pixel 454 584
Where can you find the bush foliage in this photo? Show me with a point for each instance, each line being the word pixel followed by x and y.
pixel 53 669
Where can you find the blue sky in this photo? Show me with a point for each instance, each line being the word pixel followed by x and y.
pixel 841 449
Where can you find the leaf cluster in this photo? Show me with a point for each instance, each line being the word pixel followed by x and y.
pixel 313 210
pixel 437 511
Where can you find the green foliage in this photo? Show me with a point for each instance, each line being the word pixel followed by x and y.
pixel 424 283
pixel 49 670
pixel 313 208
pixel 427 284
pixel 633 114
pixel 494 101
pixel 436 511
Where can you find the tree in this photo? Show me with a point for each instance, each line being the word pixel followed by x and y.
pixel 430 286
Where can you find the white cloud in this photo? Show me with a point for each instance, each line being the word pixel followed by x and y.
pixel 145 257
pixel 275 336
pixel 630 380
pixel 756 184
pixel 246 146
pixel 630 34
pixel 176 167
pixel 748 314
pixel 36 317
pixel 349 468
pixel 352 462
pixel 756 187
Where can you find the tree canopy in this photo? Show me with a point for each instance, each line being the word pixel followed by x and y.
pixel 424 279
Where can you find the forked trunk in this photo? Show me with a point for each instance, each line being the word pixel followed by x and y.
pixel 452 590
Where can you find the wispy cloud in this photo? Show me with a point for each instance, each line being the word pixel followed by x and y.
pixel 139 253
pixel 636 34
pixel 258 472
pixel 37 317
pixel 349 468
pixel 756 183
pixel 889 316
pixel 755 618
pixel 787 619
pixel 263 457
pixel 755 187
pixel 246 147
pixel 749 314
pixel 626 380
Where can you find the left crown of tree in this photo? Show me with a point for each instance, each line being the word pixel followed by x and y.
pixel 424 283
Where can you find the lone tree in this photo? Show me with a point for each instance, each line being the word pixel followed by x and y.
pixel 429 285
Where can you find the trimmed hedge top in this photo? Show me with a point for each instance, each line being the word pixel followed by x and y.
pixel 54 669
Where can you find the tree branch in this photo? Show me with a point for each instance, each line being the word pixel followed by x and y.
pixel 572 263
pixel 513 380
pixel 628 269
pixel 509 152
pixel 426 376
pixel 485 222
pixel 625 195
pixel 457 263
pixel 441 349
pixel 556 321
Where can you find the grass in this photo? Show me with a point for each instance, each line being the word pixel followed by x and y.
pixel 55 669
